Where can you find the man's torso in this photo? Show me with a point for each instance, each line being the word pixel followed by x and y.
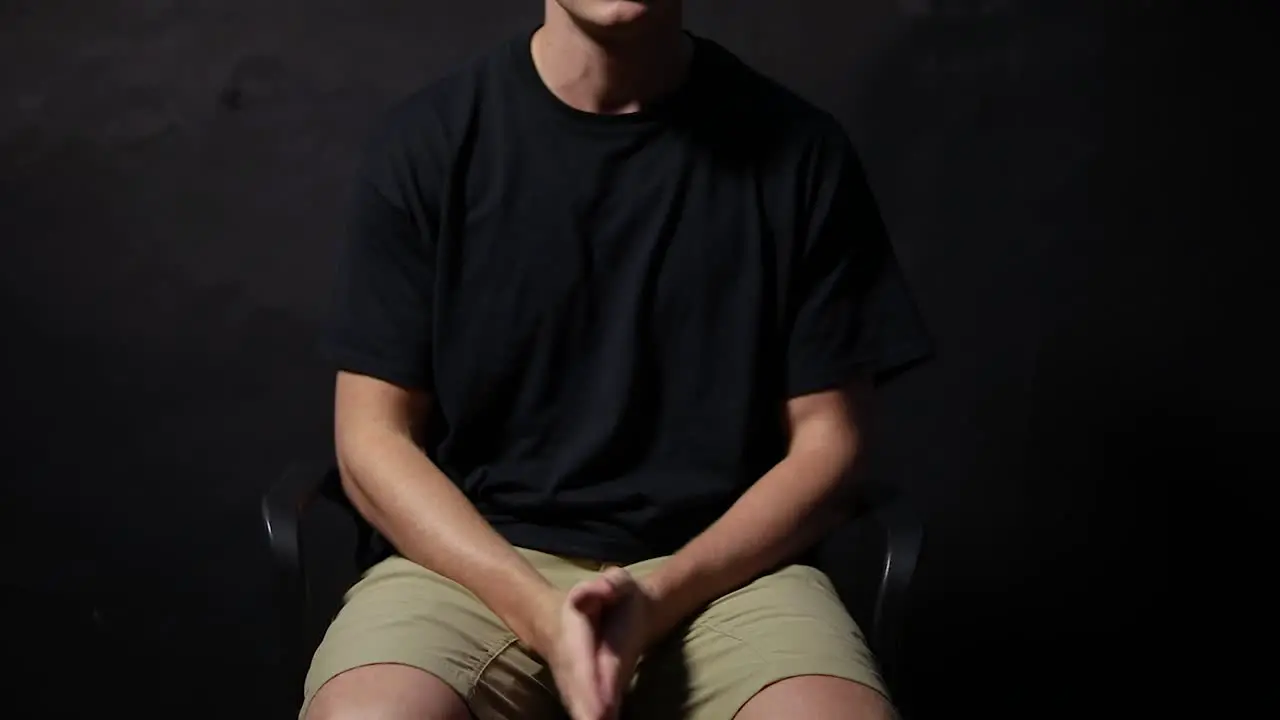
pixel 610 298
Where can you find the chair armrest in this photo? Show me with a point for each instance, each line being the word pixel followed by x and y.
pixel 904 539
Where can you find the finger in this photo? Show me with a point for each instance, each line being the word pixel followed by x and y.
pixel 608 667
pixel 584 643
pixel 596 586
pixel 582 691
pixel 598 594
pixel 579 697
pixel 577 711
pixel 591 595
pixel 583 708
pixel 586 698
pixel 590 606
pixel 619 578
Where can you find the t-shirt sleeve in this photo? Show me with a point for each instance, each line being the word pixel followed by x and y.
pixel 380 324
pixel 852 311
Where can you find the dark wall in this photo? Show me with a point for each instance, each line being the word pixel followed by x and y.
pixel 171 176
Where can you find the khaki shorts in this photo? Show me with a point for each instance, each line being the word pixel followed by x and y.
pixel 785 624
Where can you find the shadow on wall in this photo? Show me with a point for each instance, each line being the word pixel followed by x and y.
pixel 146 404
pixel 981 131
pixel 173 183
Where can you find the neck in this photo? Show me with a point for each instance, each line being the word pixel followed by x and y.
pixel 610 73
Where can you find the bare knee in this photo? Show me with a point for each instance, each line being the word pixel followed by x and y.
pixel 387 692
pixel 817 696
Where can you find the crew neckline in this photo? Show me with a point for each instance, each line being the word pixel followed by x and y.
pixel 660 109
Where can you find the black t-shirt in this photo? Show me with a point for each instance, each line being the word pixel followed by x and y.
pixel 610 312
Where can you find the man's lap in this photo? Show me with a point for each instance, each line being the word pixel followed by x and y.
pixel 785 624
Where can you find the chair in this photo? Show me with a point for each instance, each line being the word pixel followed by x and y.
pixel 879 607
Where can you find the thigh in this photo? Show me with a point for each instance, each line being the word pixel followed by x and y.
pixel 405 615
pixel 787 624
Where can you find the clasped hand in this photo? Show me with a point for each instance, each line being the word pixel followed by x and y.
pixel 594 641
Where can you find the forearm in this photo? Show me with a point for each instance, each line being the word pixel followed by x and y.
pixel 401 492
pixel 791 507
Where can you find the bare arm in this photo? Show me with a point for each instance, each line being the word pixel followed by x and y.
pixel 402 493
pixel 792 506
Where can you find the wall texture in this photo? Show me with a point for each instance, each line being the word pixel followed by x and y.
pixel 171 175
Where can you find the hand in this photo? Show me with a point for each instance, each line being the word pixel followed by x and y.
pixel 624 635
pixel 593 638
pixel 570 641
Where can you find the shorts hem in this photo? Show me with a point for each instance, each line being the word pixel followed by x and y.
pixel 774 673
pixel 366 660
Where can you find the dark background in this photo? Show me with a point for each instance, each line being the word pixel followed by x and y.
pixel 171 178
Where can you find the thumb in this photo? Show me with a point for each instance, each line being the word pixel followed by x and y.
pixel 619 579
pixel 591 596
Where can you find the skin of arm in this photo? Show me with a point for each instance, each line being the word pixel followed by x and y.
pixel 796 503
pixel 400 491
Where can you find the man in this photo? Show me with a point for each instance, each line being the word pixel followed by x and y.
pixel 605 294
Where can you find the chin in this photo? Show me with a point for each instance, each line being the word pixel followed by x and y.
pixel 611 15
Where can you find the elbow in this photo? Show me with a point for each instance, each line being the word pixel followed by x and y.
pixel 347 479
pixel 848 485
pixel 345 450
